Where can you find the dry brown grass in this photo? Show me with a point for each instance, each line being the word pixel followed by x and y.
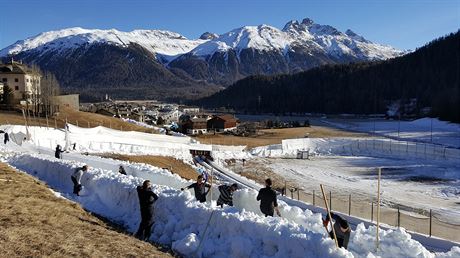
pixel 176 166
pixel 83 119
pixel 35 223
pixel 275 136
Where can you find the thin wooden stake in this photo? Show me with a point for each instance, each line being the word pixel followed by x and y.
pixel 349 205
pixel 329 215
pixel 378 208
pixel 430 221
pixel 313 197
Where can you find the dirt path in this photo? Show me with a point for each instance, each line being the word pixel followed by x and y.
pixel 36 223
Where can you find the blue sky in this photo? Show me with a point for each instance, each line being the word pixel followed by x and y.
pixel 404 24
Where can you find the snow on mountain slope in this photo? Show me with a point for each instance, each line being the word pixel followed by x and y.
pixel 165 43
pixel 262 37
pixel 334 42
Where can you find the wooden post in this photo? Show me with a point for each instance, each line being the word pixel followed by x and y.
pixel 298 194
pixel 349 205
pixel 47 124
pixel 329 216
pixel 372 211
pixel 55 123
pixel 285 187
pixel 330 200
pixel 431 217
pixel 378 207
pixel 77 122
pixel 399 217
pixel 313 197
pixel 210 189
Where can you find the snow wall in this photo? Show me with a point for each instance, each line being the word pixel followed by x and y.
pixel 237 231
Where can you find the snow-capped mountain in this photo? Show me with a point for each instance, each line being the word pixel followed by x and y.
pixel 172 60
pixel 165 43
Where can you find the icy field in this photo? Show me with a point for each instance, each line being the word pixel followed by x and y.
pixel 421 130
pixel 181 222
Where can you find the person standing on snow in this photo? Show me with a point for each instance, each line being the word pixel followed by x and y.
pixel 226 194
pixel 200 189
pixel 121 170
pixel 341 228
pixel 76 179
pixel 6 138
pixel 267 198
pixel 146 199
pixel 58 152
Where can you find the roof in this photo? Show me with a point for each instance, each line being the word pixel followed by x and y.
pixel 227 117
pixel 14 68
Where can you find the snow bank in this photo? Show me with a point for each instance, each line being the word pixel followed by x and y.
pixel 237 231
pixel 105 140
pixel 378 147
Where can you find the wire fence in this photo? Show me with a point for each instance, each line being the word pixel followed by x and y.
pixel 428 222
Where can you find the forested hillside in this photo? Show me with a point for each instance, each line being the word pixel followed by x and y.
pixel 430 75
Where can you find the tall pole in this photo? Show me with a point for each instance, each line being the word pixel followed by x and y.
pixel 378 208
pixel 329 215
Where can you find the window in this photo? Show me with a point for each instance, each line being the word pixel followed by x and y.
pixel 16 80
pixel 16 87
pixel 4 79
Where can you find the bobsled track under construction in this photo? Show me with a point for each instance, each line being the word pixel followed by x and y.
pixel 190 228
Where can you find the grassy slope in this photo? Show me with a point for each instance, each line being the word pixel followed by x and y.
pixel 84 119
pixel 275 136
pixel 35 223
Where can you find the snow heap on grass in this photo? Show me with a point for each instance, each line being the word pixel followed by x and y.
pixel 238 231
pixel 105 140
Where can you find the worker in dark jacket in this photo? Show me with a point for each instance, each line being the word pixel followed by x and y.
pixel 6 138
pixel 342 229
pixel 146 199
pixel 58 152
pixel 122 170
pixel 200 189
pixel 226 194
pixel 267 198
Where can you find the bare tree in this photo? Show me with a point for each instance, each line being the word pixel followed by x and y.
pixel 49 90
pixel 35 91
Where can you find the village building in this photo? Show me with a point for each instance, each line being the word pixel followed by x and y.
pixel 222 123
pixel 195 125
pixel 23 82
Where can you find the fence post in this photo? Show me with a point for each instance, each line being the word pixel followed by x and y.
pixel 77 122
pixel 55 123
pixel 372 211
pixel 349 205
pixel 399 217
pixel 285 184
pixel 313 197
pixel 330 200
pixel 298 194
pixel 431 217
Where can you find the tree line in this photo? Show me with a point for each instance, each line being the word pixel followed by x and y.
pixel 430 75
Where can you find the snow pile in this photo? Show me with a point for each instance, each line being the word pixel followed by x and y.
pixel 237 231
pixel 105 140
